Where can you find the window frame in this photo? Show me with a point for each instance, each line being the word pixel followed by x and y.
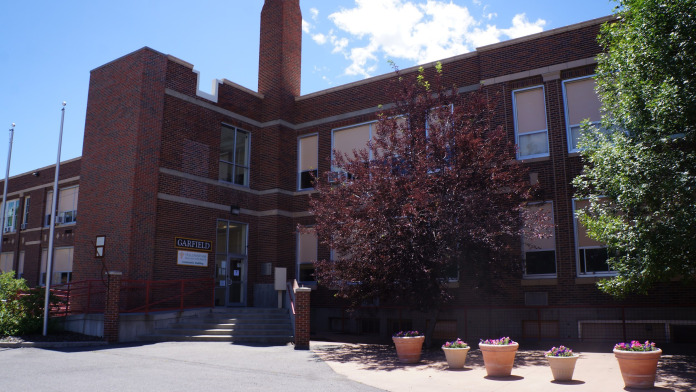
pixel 576 238
pixel 62 213
pixel 555 250
pixel 569 134
pixel 299 262
pixel 44 273
pixel 372 124
pixel 233 164
pixel 14 217
pixel 25 215
pixel 299 161
pixel 546 130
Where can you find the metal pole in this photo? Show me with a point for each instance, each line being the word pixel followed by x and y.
pixel 4 192
pixel 52 229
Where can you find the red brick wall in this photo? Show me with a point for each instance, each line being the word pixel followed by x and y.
pixel 121 152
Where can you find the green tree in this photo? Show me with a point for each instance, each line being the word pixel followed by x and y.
pixel 647 166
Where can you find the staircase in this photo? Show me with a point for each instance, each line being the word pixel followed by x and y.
pixel 242 325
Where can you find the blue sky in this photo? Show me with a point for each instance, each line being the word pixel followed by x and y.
pixel 48 48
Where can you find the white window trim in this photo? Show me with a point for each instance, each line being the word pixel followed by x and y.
pixel 43 274
pixel 569 137
pixel 517 135
pixel 555 251
pixel 62 213
pixel 12 228
pixel 578 272
pixel 299 156
pixel 247 163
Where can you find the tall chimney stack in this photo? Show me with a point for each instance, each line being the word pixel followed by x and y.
pixel 280 53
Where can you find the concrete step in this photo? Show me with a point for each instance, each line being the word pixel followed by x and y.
pixel 249 325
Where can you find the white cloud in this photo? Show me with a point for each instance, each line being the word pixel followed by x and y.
pixel 320 38
pixel 521 26
pixel 413 30
pixel 306 27
pixel 314 12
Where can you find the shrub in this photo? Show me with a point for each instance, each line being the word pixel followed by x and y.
pixel 21 308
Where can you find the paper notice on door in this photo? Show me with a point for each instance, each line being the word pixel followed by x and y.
pixel 236 272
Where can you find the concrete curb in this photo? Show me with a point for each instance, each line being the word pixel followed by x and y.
pixel 52 344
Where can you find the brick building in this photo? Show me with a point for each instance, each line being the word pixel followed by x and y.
pixel 164 162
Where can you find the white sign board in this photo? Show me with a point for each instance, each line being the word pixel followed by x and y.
pixel 196 259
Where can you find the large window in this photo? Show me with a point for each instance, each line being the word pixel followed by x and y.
pixel 306 254
pixel 234 155
pixel 345 141
pixel 62 265
pixel 25 217
pixel 591 255
pixel 581 103
pixel 540 253
pixel 6 261
pixel 531 132
pixel 66 209
pixel 308 159
pixel 10 224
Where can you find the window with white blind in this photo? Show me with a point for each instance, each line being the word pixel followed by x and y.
pixel 591 255
pixel 66 209
pixel 10 224
pixel 306 255
pixel 345 141
pixel 62 265
pixel 581 103
pixel 6 262
pixel 531 131
pixel 308 161
pixel 539 253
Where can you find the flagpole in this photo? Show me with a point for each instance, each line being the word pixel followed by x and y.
pixel 4 192
pixel 52 229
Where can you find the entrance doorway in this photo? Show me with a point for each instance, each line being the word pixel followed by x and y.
pixel 230 264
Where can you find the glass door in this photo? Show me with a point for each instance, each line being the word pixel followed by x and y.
pixel 235 281
pixel 230 263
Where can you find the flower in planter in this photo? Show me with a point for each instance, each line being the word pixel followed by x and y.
pixel 407 334
pixel 636 346
pixel 561 351
pixel 498 342
pixel 455 344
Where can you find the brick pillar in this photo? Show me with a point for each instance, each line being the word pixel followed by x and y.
pixel 111 309
pixel 302 318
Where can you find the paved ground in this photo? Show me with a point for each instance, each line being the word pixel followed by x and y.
pixel 327 367
pixel 188 367
pixel 376 365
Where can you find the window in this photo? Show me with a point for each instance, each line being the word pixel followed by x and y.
pixel 581 103
pixel 49 205
pixel 6 262
pixel 62 265
pixel 66 211
pixel 25 217
pixel 306 254
pixel 591 255
pixel 540 253
pixel 531 133
pixel 308 159
pixel 234 155
pixel 66 207
pixel 10 223
pixel 20 265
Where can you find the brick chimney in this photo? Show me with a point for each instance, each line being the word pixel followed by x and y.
pixel 280 55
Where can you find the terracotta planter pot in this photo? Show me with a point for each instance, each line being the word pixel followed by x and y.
pixel 638 368
pixel 456 357
pixel 409 349
pixel 562 367
pixel 499 359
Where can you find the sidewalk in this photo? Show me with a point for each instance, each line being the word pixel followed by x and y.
pixel 376 365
